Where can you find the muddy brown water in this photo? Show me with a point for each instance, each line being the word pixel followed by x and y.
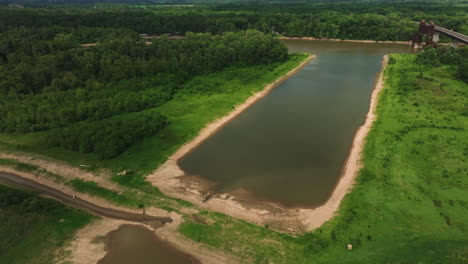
pixel 291 145
pixel 136 244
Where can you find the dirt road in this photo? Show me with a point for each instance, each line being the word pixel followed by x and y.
pixel 18 181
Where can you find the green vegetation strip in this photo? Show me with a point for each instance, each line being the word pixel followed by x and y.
pixel 34 228
pixel 410 202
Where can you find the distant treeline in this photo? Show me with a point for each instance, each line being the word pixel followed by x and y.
pixel 49 82
pixel 372 21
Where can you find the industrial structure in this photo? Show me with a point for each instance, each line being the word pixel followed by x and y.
pixel 432 33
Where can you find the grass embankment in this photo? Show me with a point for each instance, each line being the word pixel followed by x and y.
pixel 34 228
pixel 202 100
pixel 410 202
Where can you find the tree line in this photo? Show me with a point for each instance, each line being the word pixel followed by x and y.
pixel 49 82
pixel 383 21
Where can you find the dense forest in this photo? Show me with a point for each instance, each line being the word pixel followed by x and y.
pixel 49 82
pixel 382 21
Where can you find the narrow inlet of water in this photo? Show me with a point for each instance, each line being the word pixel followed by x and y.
pixel 138 245
pixel 290 146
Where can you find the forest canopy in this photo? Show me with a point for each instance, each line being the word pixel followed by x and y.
pixel 356 20
pixel 49 82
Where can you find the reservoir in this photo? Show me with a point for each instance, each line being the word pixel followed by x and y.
pixel 290 146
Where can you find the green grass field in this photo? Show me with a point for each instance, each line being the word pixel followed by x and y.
pixel 33 229
pixel 410 202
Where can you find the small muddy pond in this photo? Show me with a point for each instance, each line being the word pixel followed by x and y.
pixel 138 245
pixel 290 146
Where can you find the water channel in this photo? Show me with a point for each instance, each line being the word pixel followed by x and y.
pixel 290 146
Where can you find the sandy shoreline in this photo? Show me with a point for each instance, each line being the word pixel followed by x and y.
pixel 89 244
pixel 172 181
pixel 347 40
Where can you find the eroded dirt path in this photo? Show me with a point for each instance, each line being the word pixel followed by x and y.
pixel 77 202
pixel 87 246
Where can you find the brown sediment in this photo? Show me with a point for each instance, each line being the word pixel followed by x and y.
pixel 111 241
pixel 347 40
pixel 172 181
pixel 89 244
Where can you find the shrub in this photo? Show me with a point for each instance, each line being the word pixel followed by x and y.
pixel 449 56
pixel 428 57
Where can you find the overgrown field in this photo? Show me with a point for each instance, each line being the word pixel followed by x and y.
pixel 410 202
pixel 33 228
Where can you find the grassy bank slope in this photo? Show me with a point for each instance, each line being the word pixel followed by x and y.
pixel 201 100
pixel 410 202
pixel 32 228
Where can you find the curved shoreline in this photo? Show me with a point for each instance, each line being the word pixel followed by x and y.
pixel 216 125
pixel 172 181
